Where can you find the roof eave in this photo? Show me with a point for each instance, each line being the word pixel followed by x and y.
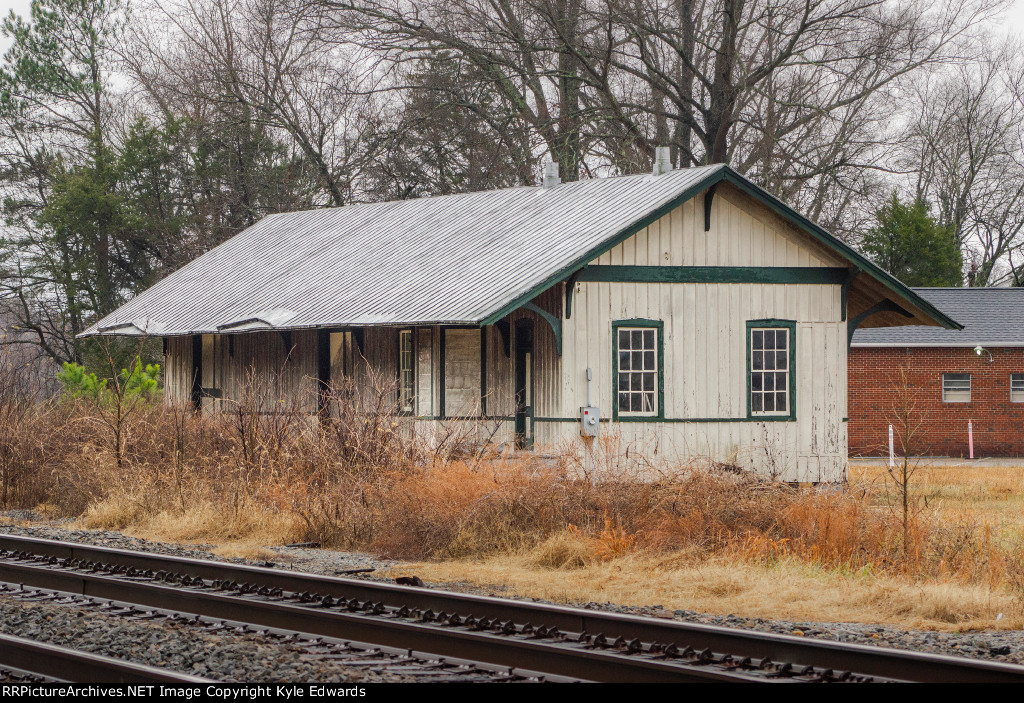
pixel 859 260
pixel 726 173
pixel 950 345
pixel 287 328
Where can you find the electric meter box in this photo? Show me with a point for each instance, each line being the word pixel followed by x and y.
pixel 590 419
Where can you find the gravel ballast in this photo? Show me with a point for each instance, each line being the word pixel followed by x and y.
pixel 993 645
pixel 168 645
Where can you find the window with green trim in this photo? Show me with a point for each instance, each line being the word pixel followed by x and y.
pixel 638 371
pixel 770 369
pixel 406 372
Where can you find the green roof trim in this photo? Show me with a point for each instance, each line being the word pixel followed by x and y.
pixel 716 176
pixel 822 235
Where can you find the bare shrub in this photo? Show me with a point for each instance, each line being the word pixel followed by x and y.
pixel 264 471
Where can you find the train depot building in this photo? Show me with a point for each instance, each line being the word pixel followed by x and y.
pixel 964 389
pixel 685 312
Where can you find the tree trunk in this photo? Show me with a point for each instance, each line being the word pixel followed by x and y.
pixel 719 115
pixel 566 150
pixel 682 144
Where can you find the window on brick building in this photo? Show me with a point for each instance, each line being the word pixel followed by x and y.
pixel 956 388
pixel 1017 387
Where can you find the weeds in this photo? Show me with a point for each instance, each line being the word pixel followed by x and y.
pixel 264 471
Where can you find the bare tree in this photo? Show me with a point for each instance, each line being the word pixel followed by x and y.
pixel 783 90
pixel 908 422
pixel 965 148
pixel 798 95
pixel 267 63
pixel 368 128
pixel 525 49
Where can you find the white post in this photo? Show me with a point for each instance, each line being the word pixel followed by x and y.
pixel 970 437
pixel 891 452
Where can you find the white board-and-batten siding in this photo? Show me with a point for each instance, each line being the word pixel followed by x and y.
pixel 705 370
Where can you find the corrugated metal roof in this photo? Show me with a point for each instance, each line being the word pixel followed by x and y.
pixel 990 316
pixel 457 259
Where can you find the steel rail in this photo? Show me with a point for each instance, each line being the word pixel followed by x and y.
pixel 516 649
pixel 824 655
pixel 72 665
pixel 344 651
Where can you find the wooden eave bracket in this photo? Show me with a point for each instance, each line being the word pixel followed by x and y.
pixel 286 338
pixel 556 324
pixel 505 330
pixel 570 289
pixel 709 198
pixel 882 306
pixel 845 292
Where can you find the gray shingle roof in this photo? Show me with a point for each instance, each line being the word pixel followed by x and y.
pixel 990 316
pixel 457 259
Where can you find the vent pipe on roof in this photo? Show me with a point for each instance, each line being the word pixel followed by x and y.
pixel 662 160
pixel 551 175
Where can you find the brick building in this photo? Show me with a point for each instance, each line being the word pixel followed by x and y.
pixel 953 378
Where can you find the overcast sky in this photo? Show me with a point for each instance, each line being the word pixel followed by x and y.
pixel 1013 21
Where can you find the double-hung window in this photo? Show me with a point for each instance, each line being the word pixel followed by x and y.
pixel 956 388
pixel 638 359
pixel 770 369
pixel 406 372
pixel 1017 387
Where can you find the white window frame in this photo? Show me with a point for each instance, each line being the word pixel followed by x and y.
pixel 655 369
pixel 952 384
pixel 775 371
pixel 406 374
pixel 1017 387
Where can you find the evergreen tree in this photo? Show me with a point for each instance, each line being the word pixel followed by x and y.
pixel 908 243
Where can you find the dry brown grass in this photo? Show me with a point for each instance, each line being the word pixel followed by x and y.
pixel 789 589
pixel 821 556
pixel 697 537
pixel 994 493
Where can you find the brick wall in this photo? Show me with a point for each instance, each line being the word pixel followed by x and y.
pixel 877 394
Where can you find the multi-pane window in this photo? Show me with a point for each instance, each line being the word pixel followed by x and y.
pixel 406 372
pixel 637 371
pixel 770 359
pixel 1017 387
pixel 956 388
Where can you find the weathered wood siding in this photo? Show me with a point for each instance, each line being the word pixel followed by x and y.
pixel 485 395
pixel 285 366
pixel 462 372
pixel 705 337
pixel 743 233
pixel 705 364
pixel 178 370
pixel 548 398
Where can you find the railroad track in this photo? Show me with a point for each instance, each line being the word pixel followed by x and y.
pixel 26 661
pixel 398 663
pixel 560 641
